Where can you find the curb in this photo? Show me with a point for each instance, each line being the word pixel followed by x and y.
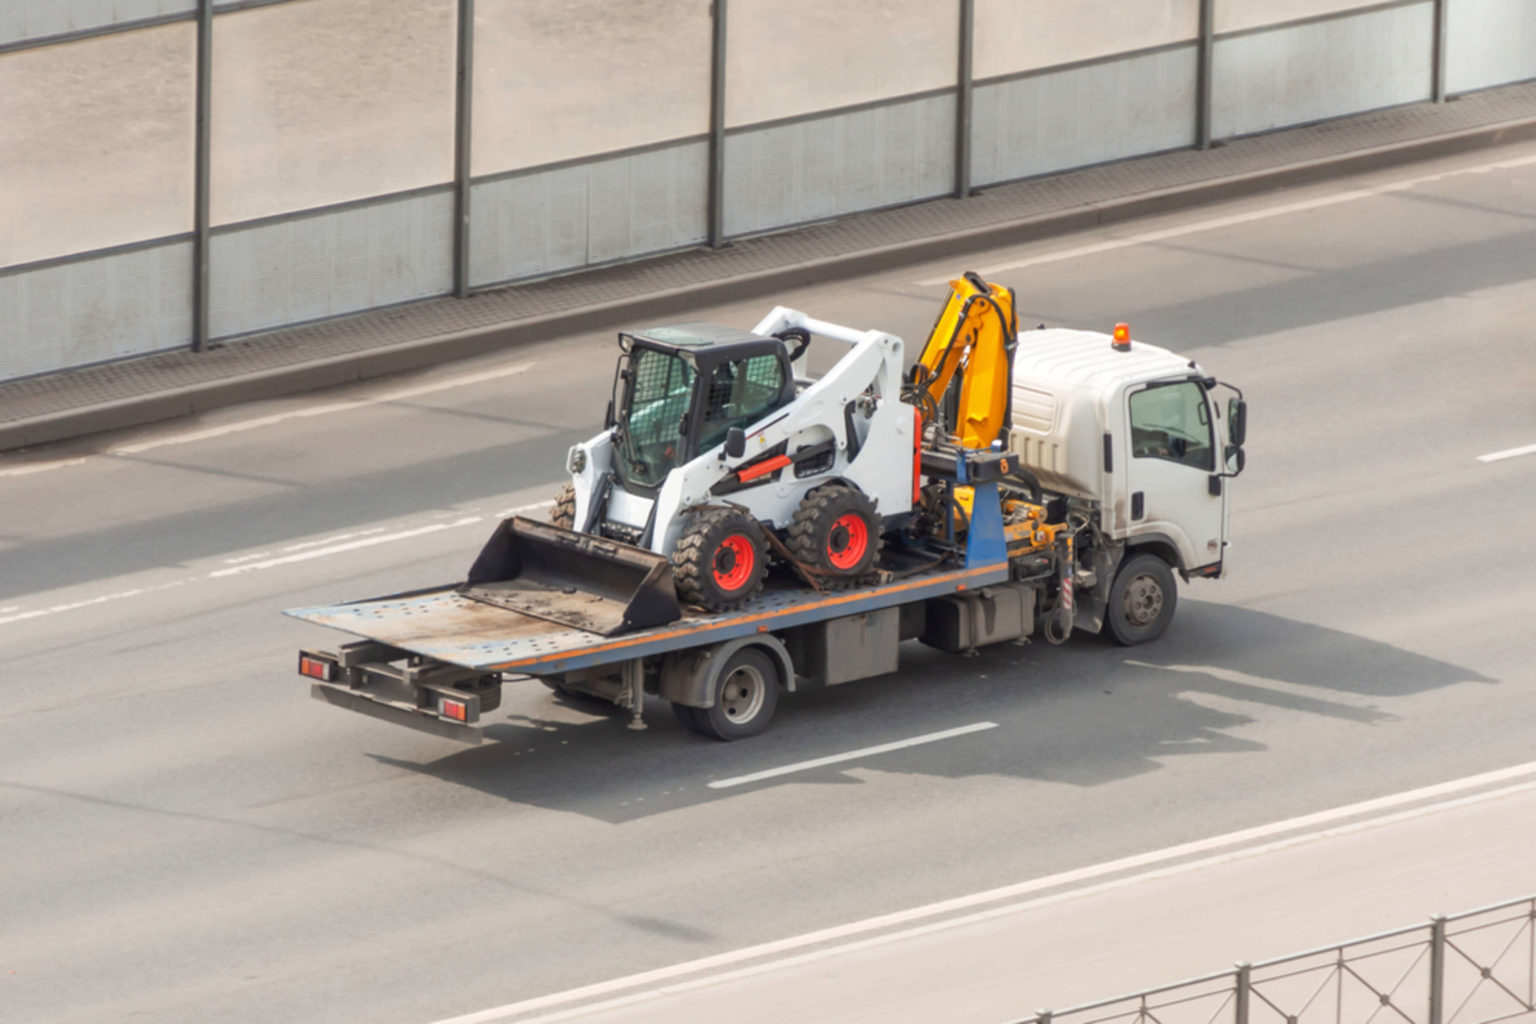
pixel 415 355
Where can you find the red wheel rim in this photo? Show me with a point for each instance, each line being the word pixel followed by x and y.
pixel 847 541
pixel 735 559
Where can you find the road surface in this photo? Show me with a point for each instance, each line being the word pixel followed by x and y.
pixel 186 836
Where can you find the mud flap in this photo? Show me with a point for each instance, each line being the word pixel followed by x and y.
pixel 573 579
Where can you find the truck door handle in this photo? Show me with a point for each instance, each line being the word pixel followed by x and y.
pixel 1138 504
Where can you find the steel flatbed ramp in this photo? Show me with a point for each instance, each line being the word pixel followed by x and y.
pixel 444 625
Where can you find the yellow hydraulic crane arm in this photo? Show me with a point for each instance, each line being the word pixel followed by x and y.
pixel 974 336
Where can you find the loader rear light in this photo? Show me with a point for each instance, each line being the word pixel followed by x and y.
pixel 455 709
pixel 317 668
pixel 1122 342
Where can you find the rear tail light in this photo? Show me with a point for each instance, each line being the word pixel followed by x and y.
pixel 455 709
pixel 317 668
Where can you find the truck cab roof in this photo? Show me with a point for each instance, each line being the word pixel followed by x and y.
pixel 1062 358
pixel 1066 389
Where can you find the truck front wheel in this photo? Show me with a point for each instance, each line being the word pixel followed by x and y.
pixel 1142 600
pixel 746 692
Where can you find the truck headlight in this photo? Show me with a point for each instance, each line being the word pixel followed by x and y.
pixel 577 460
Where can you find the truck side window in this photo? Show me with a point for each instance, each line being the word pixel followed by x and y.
pixel 1173 422
pixel 740 393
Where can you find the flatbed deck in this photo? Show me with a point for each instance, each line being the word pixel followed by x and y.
pixel 441 624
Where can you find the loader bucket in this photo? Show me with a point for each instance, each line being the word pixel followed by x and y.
pixel 573 579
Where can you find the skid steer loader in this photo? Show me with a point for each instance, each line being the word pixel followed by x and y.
pixel 719 454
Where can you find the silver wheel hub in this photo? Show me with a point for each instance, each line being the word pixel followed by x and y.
pixel 742 694
pixel 1143 600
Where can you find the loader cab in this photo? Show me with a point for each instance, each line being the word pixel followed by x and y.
pixel 678 391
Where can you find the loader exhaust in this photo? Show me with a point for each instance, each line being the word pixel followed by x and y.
pixel 572 579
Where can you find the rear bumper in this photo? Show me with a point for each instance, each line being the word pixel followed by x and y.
pixel 397 713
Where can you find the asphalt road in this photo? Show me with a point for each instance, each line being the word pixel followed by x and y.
pixel 186 836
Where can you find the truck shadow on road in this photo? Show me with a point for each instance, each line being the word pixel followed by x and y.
pixel 1085 714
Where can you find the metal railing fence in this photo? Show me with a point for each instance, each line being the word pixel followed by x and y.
pixel 1476 967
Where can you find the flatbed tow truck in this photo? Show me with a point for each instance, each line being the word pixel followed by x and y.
pixel 456 652
pixel 1063 479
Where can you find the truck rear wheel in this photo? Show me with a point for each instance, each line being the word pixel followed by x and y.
pixel 836 530
pixel 563 512
pixel 720 560
pixel 1141 601
pixel 746 692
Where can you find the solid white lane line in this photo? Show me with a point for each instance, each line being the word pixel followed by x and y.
pixel 71 606
pixel 304 556
pixel 519 510
pixel 397 395
pixel 1095 871
pixel 1187 867
pixel 247 558
pixel 1233 220
pixel 333 540
pixel 770 773
pixel 1508 453
pixel 40 467
pixel 246 563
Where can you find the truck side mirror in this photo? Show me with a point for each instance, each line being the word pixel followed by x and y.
pixel 1237 421
pixel 735 443
pixel 1236 460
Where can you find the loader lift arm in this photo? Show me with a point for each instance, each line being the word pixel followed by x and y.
pixel 974 337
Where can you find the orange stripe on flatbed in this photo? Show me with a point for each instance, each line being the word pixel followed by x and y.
pixel 828 602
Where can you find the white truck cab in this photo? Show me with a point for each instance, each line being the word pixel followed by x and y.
pixel 1136 433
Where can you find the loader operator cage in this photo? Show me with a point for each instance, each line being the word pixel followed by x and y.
pixel 679 390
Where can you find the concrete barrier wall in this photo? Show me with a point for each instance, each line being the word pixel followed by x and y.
pixel 1104 110
pixel 289 270
pixel 539 222
pixel 81 311
pixel 823 166
pixel 22 20
pixel 339 151
pixel 1313 70
pixel 1490 42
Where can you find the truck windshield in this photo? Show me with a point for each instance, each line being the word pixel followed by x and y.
pixel 653 399
pixel 1172 422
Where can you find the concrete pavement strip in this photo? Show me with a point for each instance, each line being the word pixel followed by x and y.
pixel 158 405
pixel 1115 937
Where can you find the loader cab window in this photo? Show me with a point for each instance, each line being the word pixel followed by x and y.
pixel 1173 422
pixel 740 392
pixel 655 392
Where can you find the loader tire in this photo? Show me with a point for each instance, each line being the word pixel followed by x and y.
pixel 563 512
pixel 720 560
pixel 836 531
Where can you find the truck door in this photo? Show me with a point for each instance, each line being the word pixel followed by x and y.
pixel 1173 456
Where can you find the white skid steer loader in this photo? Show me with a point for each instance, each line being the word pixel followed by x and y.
pixel 715 436
pixel 719 453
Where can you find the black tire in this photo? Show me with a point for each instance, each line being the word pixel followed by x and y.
pixel 489 690
pixel 720 560
pixel 746 692
pixel 1142 600
pixel 563 512
pixel 836 530
pixel 688 716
